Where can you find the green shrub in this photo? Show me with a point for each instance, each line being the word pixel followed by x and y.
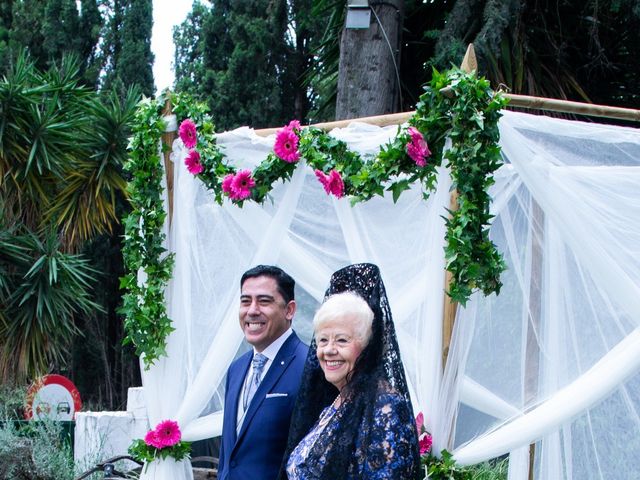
pixel 31 450
pixel 37 451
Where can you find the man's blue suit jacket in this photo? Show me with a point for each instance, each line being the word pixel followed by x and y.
pixel 256 452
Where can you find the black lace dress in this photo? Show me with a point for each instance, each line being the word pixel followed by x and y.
pixel 372 435
pixel 388 453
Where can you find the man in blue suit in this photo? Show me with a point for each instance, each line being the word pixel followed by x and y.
pixel 262 384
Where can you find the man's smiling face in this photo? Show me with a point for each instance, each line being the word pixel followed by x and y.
pixel 264 314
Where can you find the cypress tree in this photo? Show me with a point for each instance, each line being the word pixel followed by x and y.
pixel 5 29
pixel 27 30
pixel 48 30
pixel 88 39
pixel 126 55
pixel 189 45
pixel 246 59
pixel 60 28
pixel 134 65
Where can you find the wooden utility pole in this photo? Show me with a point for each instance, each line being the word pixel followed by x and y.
pixel 368 77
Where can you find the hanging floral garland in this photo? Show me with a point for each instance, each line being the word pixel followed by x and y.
pixel 468 116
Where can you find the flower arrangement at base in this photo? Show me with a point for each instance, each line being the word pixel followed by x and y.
pixel 444 467
pixel 161 442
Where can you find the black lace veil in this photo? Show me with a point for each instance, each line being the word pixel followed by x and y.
pixel 379 365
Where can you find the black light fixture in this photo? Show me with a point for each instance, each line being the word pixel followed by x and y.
pixel 358 14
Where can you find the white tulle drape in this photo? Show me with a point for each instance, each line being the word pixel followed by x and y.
pixel 553 359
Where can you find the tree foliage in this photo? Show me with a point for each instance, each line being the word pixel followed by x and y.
pixel 266 44
pixel 128 59
pixel 61 151
pixel 50 29
pixel 571 49
pixel 110 38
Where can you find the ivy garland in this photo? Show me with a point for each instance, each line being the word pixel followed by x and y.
pixel 468 116
pixel 146 322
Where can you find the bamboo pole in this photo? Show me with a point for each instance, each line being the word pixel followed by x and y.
pixel 167 141
pixel 378 120
pixel 517 101
pixel 566 106
pixel 532 347
pixel 450 307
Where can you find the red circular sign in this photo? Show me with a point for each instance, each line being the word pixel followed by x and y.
pixel 53 396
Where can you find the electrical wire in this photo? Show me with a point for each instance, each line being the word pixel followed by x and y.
pixel 393 56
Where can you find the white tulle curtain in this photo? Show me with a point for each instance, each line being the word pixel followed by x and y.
pixel 308 234
pixel 525 366
pixel 554 359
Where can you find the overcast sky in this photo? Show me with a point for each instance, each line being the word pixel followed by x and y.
pixel 166 14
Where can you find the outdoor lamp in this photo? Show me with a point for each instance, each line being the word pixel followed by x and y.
pixel 358 14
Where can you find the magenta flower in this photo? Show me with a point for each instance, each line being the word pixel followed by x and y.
pixel 417 148
pixel 168 433
pixel 286 146
pixel 151 439
pixel 241 185
pixel 192 161
pixel 332 183
pixel 227 184
pixel 294 125
pixel 420 423
pixel 424 437
pixel 425 441
pixel 188 133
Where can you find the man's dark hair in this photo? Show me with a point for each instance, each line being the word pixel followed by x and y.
pixel 286 284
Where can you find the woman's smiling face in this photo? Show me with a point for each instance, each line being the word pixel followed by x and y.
pixel 338 348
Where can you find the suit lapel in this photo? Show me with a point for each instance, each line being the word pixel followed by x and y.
pixel 235 390
pixel 276 370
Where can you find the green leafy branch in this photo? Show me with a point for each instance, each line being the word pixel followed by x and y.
pixel 445 468
pixel 146 322
pixel 469 117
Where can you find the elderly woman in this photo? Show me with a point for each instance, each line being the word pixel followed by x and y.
pixel 353 418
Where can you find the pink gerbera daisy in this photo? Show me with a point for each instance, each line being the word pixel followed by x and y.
pixel 294 125
pixel 425 441
pixel 152 440
pixel 188 133
pixel 242 184
pixel 332 183
pixel 168 433
pixel 417 148
pixel 227 184
pixel 286 146
pixel 336 185
pixel 192 161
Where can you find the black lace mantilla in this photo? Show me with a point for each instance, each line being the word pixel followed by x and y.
pixel 378 372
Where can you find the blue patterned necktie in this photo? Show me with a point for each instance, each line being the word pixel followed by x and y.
pixel 258 363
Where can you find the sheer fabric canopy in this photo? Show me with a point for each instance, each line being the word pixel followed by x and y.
pixel 554 359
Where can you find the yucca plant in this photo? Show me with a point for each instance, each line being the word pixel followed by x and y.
pixel 48 290
pixel 62 147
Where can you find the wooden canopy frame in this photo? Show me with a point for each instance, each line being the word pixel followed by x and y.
pixel 469 63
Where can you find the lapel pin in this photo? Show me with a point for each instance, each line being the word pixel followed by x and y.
pixel 282 362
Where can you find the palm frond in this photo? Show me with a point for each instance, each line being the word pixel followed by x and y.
pixel 39 323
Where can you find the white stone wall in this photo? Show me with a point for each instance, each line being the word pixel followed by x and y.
pixel 102 435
